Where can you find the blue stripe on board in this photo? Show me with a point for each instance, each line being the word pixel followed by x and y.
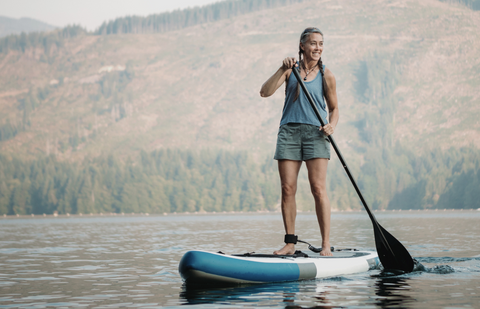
pixel 236 268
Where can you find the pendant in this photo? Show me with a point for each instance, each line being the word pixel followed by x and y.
pixel 305 78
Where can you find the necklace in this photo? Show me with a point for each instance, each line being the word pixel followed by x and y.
pixel 308 71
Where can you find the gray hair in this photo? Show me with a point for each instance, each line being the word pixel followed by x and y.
pixel 306 33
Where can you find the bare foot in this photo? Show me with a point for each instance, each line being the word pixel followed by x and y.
pixel 289 249
pixel 326 251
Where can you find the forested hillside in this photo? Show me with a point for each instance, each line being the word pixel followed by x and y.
pixel 160 182
pixel 72 101
pixel 10 26
pixel 167 181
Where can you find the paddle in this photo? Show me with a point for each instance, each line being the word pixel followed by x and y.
pixel 391 252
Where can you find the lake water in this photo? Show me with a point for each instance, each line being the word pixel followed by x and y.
pixel 112 262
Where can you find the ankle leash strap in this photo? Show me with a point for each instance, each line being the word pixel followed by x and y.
pixel 291 239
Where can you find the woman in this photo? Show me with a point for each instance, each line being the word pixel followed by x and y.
pixel 301 137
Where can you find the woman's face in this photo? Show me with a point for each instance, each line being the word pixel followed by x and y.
pixel 313 47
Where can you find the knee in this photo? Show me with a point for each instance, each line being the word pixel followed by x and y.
pixel 288 189
pixel 319 190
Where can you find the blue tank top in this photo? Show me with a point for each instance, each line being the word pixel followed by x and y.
pixel 300 111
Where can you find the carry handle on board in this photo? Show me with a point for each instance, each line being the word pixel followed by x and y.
pixel 391 252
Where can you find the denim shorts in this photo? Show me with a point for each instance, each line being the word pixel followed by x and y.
pixel 301 142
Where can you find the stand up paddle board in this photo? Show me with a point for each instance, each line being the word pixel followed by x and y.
pixel 208 268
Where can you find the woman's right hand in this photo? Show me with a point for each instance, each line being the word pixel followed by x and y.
pixel 288 63
pixel 277 79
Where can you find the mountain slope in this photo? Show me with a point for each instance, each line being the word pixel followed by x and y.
pixel 198 87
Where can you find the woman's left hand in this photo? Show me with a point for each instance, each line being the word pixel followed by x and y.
pixel 327 129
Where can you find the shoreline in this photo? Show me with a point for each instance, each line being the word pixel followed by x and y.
pixel 204 213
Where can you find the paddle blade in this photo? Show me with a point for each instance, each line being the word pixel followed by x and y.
pixel 391 252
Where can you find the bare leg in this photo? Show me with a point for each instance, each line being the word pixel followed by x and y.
pixel 288 170
pixel 317 175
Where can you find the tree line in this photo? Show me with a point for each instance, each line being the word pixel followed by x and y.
pixel 173 180
pixel 49 42
pixel 162 181
pixel 155 23
pixel 180 19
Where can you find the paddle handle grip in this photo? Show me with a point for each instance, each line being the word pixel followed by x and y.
pixel 334 145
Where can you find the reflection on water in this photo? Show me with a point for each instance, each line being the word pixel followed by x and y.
pixel 257 294
pixel 392 293
pixel 132 262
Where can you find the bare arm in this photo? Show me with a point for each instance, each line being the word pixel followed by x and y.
pixel 277 79
pixel 332 103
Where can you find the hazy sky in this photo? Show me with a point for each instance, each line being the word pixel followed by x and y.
pixel 89 13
